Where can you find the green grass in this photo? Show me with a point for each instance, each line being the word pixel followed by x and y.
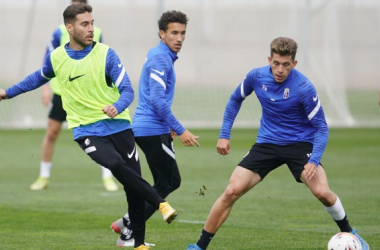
pixel 75 212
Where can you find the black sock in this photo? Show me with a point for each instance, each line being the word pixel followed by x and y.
pixel 344 225
pixel 205 239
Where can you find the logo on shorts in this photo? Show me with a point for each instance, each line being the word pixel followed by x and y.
pixel 286 93
pixel 308 155
pixel 131 154
pixel 87 142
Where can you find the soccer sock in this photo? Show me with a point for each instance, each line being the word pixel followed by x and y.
pixel 106 173
pixel 126 220
pixel 339 215
pixel 205 239
pixel 45 169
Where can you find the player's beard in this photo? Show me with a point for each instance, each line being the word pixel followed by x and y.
pixel 81 41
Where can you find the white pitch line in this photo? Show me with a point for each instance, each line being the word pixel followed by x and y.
pixel 191 221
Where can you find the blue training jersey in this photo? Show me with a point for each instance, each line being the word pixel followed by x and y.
pixel 153 115
pixel 291 111
pixel 114 70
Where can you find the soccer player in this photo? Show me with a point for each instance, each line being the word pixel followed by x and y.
pixel 57 115
pixel 293 131
pixel 96 92
pixel 154 124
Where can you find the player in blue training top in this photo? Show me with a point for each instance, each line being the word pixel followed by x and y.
pixel 154 124
pixel 293 131
pixel 96 92
pixel 57 115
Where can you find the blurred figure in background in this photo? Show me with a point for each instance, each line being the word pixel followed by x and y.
pixel 57 115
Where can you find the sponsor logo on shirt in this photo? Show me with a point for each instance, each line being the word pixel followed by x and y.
pixel 73 78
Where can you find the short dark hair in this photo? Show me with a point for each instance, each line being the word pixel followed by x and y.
pixel 284 47
pixel 172 16
pixel 71 12
pixel 78 1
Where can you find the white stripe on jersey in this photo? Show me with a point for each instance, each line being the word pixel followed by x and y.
pixel 242 90
pixel 158 79
pixel 50 46
pixel 42 74
pixel 120 78
pixel 168 151
pixel 315 110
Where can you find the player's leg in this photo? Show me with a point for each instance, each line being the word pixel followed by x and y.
pixel 241 181
pixel 331 202
pixel 108 182
pixel 104 152
pixel 297 157
pixel 57 116
pixel 160 156
pixel 260 160
pixel 127 148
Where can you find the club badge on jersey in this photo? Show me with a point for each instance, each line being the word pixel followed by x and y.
pixel 286 93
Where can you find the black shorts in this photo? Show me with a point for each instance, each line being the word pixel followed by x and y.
pixel 56 111
pixel 265 157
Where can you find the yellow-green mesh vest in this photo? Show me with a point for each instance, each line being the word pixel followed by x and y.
pixel 65 38
pixel 83 86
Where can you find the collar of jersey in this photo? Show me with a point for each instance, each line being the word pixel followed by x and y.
pixel 78 54
pixel 169 51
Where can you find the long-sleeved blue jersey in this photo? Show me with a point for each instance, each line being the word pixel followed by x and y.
pixel 114 70
pixel 291 111
pixel 153 115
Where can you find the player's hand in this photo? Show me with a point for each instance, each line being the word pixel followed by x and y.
pixel 310 171
pixel 110 110
pixel 46 95
pixel 173 134
pixel 223 146
pixel 3 94
pixel 188 139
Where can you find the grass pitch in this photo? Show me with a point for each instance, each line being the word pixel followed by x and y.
pixel 75 212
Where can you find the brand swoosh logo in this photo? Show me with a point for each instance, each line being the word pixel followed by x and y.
pixel 75 77
pixel 159 72
pixel 119 65
pixel 315 98
pixel 130 155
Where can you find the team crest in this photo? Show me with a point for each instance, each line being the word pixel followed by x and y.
pixel 87 142
pixel 286 93
pixel 264 87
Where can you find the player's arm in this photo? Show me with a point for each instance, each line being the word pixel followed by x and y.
pixel 158 68
pixel 115 71
pixel 316 116
pixel 32 81
pixel 53 44
pixel 244 89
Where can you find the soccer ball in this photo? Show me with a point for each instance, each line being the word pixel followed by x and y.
pixel 344 241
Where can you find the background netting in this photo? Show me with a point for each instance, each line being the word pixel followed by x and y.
pixel 338 50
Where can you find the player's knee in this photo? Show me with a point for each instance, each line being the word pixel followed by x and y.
pixel 52 135
pixel 323 195
pixel 231 194
pixel 112 165
pixel 176 184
